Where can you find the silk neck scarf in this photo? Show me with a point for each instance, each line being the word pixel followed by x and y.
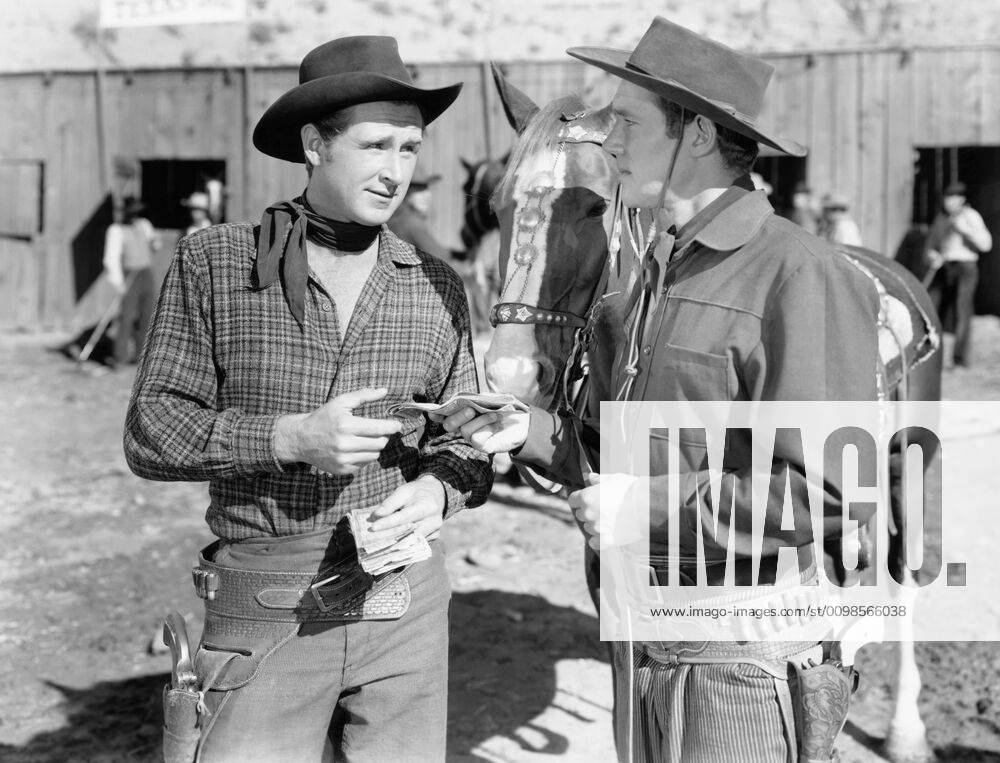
pixel 281 246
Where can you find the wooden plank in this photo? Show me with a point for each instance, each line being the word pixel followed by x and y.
pixel 822 124
pixel 989 97
pixel 19 287
pixel 899 163
pixel 847 91
pixel 19 204
pixel 869 202
pixel 923 94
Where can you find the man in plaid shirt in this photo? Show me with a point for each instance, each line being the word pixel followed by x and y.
pixel 274 355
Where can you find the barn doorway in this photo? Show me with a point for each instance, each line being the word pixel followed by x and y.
pixel 166 182
pixel 979 168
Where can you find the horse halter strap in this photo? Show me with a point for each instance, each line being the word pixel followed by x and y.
pixel 530 219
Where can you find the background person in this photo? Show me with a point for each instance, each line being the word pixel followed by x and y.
pixel 198 209
pixel 956 238
pixel 837 226
pixel 805 210
pixel 129 247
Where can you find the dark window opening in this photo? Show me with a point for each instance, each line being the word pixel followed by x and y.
pixel 167 182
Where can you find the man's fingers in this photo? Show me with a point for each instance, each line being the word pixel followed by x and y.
pixel 360 457
pixel 356 444
pixel 460 418
pixel 393 502
pixel 407 515
pixel 470 428
pixel 358 397
pixel 363 427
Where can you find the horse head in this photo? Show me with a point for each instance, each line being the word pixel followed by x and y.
pixel 554 209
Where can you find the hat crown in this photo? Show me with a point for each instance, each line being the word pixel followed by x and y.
pixel 671 52
pixel 368 54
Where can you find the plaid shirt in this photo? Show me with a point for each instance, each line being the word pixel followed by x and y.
pixel 223 361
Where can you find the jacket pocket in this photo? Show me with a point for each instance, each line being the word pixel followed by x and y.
pixel 679 373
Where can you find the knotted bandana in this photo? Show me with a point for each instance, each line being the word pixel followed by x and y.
pixel 281 246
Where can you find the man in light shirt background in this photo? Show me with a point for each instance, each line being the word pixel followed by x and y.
pixel 956 238
pixel 129 246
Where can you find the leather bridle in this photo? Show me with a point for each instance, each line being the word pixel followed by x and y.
pixel 524 255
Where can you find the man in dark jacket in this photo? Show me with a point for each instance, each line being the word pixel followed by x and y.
pixel 734 304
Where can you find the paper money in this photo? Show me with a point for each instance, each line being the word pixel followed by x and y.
pixel 484 402
pixel 383 552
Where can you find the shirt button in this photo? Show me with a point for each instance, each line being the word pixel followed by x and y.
pixel 326 307
pixel 646 350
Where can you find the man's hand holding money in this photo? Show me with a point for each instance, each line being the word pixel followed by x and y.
pixel 419 503
pixel 494 432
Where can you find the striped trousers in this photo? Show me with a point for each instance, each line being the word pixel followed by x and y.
pixel 700 713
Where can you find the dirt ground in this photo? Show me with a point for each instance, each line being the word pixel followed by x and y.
pixel 93 557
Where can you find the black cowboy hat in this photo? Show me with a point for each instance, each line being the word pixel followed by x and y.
pixel 697 73
pixel 955 188
pixel 337 74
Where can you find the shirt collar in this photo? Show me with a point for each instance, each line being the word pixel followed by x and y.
pixel 396 249
pixel 730 221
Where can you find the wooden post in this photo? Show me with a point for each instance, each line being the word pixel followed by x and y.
pixel 100 95
pixel 246 147
pixel 486 80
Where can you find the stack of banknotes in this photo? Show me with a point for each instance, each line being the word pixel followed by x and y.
pixel 386 551
pixel 483 402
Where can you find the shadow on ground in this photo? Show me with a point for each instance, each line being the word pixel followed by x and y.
pixel 109 721
pixel 504 647
pixel 504 650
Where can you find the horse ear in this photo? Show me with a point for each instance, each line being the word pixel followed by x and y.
pixel 518 107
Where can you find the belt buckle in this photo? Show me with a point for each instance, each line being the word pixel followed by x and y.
pixel 314 590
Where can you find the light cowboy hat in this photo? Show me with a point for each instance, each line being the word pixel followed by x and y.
pixel 197 200
pixel 340 73
pixel 699 74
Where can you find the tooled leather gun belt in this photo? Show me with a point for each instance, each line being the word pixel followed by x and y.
pixel 341 592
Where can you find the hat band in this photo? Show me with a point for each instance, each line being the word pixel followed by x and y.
pixel 723 105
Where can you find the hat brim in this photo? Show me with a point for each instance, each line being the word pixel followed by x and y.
pixel 615 62
pixel 277 132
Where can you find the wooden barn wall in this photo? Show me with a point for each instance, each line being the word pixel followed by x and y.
pixel 860 113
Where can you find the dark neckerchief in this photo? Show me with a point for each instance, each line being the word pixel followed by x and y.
pixel 281 247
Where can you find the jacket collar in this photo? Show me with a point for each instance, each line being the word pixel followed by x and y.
pixel 730 221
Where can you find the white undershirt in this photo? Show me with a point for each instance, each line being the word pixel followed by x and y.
pixel 343 276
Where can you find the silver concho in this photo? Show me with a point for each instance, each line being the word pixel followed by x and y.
pixel 525 254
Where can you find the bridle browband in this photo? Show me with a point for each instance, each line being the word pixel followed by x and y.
pixel 524 255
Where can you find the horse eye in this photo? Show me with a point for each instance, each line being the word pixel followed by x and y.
pixel 598 209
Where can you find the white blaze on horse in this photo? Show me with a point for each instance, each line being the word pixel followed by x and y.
pixel 560 258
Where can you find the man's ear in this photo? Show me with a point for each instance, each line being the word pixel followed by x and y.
pixel 703 136
pixel 312 144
